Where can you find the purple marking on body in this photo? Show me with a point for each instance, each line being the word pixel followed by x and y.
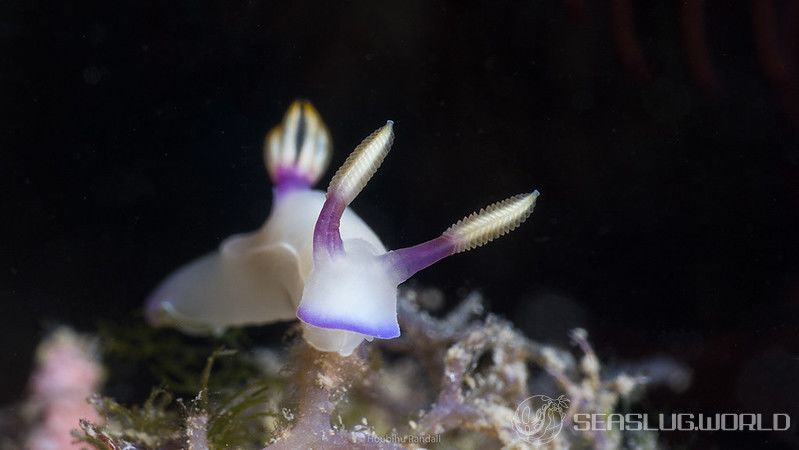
pixel 289 179
pixel 326 233
pixel 154 309
pixel 380 331
pixel 407 261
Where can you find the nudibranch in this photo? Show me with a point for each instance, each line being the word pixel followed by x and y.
pixel 314 259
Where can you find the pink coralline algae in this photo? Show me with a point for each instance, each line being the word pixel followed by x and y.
pixel 67 373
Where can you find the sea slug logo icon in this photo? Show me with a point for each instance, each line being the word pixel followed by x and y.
pixel 539 418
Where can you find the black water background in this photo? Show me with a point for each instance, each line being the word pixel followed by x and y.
pixel 131 135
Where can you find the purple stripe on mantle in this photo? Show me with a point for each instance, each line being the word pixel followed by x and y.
pixel 380 331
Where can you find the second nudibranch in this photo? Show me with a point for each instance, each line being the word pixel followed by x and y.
pixel 314 258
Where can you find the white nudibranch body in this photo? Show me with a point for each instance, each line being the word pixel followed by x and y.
pixel 314 258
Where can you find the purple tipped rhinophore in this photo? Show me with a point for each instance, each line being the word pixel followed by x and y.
pixel 348 181
pixel 326 234
pixel 407 261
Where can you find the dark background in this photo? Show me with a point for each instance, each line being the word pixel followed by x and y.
pixel 131 142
